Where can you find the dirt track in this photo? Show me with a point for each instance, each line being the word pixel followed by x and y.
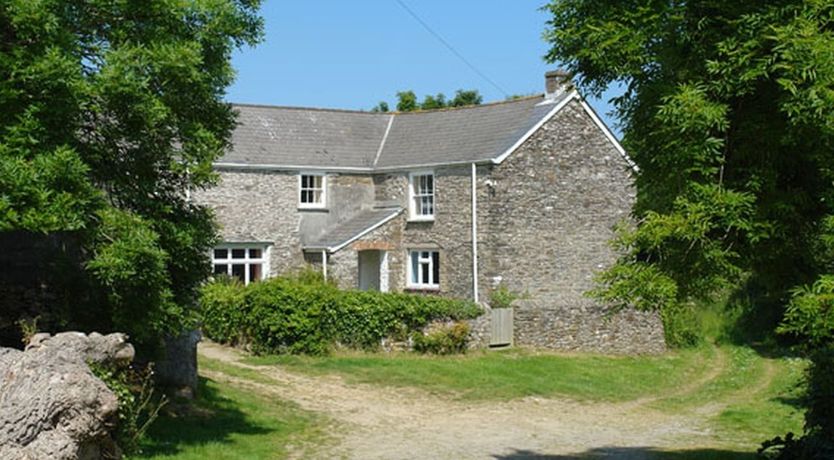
pixel 390 423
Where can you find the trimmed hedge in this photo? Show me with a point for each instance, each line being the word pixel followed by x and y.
pixel 304 314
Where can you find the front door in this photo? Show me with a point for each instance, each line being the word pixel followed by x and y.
pixel 369 270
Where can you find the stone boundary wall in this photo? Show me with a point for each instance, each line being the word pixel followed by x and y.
pixel 586 327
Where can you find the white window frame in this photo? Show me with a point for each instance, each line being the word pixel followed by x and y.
pixel 431 284
pixel 247 261
pixel 323 190
pixel 413 214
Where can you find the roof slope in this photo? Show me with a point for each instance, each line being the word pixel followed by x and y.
pixel 460 135
pixel 319 138
pixel 358 225
pixel 305 137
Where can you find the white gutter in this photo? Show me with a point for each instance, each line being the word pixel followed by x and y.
pixel 474 232
pixel 324 263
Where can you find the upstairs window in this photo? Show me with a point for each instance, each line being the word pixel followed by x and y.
pixel 311 190
pixel 246 263
pixel 424 269
pixel 421 196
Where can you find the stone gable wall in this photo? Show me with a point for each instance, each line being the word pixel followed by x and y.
pixel 552 207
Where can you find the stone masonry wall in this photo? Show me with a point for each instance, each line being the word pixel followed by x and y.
pixel 259 206
pixel 552 206
pixel 450 233
pixel 262 206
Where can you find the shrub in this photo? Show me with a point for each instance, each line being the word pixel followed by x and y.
pixel 304 314
pixel 443 340
pixel 138 406
pixel 502 297
pixel 223 310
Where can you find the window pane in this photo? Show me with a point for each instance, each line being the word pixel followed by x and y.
pixel 238 253
pixel 414 268
pixel 254 272
pixel 254 253
pixel 435 257
pixel 316 181
pixel 424 271
pixel 221 253
pixel 238 271
pixel 317 196
pixel 429 184
pixel 305 182
pixel 221 269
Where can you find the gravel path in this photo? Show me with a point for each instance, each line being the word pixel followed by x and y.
pixel 375 422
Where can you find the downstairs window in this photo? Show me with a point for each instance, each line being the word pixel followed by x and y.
pixel 246 263
pixel 424 269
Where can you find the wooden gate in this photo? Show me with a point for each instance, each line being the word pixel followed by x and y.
pixel 502 327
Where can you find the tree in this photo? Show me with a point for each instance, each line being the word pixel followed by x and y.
pixel 433 102
pixel 382 107
pixel 729 114
pixel 110 112
pixel 466 97
pixel 407 101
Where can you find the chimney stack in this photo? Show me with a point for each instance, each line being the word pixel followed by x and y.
pixel 556 83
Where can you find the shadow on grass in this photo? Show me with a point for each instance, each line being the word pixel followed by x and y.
pixel 211 419
pixel 633 453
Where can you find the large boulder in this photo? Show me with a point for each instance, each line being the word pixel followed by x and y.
pixel 51 405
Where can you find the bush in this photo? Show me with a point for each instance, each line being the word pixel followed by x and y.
pixel 138 406
pixel 443 340
pixel 502 297
pixel 304 314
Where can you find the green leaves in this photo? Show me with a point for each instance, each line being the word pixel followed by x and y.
pixel 303 315
pixel 109 113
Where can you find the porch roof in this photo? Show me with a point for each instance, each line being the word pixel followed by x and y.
pixel 352 229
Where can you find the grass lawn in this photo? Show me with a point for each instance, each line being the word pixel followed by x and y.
pixel 508 374
pixel 228 423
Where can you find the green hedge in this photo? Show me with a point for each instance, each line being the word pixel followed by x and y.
pixel 303 314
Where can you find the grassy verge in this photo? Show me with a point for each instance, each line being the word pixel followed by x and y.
pixel 230 424
pixel 510 374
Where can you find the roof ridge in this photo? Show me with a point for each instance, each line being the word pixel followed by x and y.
pixel 471 107
pixel 368 112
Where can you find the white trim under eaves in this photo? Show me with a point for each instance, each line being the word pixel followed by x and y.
pixel 500 158
pixel 274 167
pixel 373 227
pixel 345 169
pixel 384 138
pixel 608 134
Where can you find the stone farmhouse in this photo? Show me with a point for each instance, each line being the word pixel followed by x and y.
pixel 451 202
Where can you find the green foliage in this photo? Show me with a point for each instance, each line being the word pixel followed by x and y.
pixel 503 297
pixel 729 114
pixel 138 406
pixel 381 107
pixel 810 317
pixel 109 113
pixel 407 101
pixel 446 339
pixel 304 314
pixel 466 97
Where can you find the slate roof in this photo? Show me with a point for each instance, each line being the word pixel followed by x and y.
pixel 340 139
pixel 361 223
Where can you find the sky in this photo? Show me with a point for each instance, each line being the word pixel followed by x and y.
pixel 353 54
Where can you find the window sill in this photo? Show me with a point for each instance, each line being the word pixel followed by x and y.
pixel 421 219
pixel 312 209
pixel 431 289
